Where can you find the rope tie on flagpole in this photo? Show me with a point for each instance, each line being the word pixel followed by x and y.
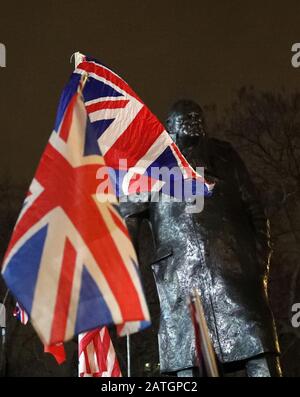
pixel 82 83
pixel 72 57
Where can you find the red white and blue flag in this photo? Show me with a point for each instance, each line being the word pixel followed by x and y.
pixel 130 137
pixel 70 261
pixel 20 314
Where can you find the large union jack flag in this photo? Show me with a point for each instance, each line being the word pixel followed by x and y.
pixel 70 262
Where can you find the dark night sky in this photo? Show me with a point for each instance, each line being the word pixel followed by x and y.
pixel 165 49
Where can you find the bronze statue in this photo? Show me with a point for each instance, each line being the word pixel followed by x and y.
pixel 223 251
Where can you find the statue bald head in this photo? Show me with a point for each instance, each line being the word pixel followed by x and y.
pixel 185 119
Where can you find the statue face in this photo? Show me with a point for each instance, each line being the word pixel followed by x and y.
pixel 186 121
pixel 188 124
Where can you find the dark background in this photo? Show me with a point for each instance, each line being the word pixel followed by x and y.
pixel 166 50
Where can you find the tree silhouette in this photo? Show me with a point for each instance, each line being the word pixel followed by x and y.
pixel 265 129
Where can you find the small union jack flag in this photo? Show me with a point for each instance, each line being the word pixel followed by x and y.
pixel 20 314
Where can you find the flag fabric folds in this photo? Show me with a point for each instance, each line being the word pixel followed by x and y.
pixel 134 144
pixel 97 357
pixel 70 261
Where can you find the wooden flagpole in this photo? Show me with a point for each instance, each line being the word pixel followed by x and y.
pixel 206 347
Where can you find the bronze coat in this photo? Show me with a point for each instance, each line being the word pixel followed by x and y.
pixel 222 251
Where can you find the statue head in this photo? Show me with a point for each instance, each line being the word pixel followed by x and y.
pixel 185 121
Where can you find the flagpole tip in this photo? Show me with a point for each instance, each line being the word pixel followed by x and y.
pixel 77 57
